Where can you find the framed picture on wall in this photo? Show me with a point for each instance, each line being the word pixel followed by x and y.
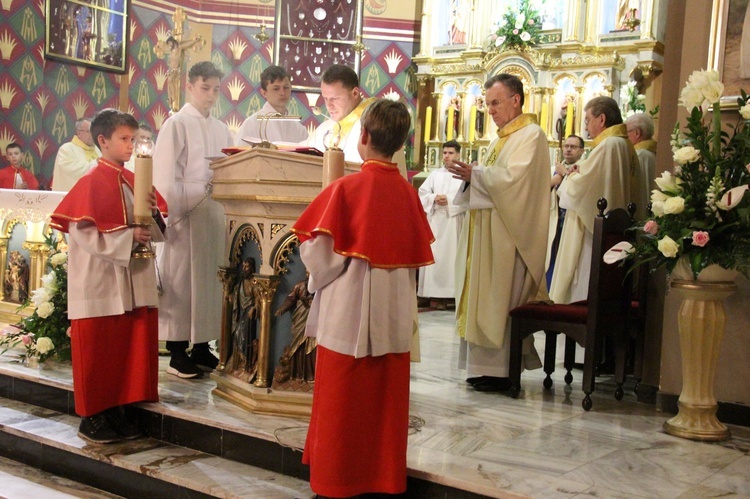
pixel 729 47
pixel 312 35
pixel 89 33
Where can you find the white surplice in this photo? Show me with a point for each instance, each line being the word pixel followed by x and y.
pixel 106 280
pixel 190 308
pixel 273 130
pixel 439 280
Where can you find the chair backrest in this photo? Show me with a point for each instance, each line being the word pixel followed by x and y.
pixel 610 286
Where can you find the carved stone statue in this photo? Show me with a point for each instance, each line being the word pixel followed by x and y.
pixel 298 360
pixel 16 283
pixel 242 360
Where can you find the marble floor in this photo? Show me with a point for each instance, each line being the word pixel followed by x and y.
pixel 539 445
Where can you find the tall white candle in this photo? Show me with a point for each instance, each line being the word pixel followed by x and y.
pixel 144 169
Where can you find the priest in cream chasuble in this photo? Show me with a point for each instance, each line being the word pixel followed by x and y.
pixel 501 254
pixel 607 172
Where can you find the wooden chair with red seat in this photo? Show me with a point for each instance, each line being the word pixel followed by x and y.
pixel 606 312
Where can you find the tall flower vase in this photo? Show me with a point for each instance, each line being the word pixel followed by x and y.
pixel 701 321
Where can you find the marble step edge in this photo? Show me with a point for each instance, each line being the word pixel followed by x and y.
pixel 184 468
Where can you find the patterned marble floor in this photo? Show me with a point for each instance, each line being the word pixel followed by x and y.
pixel 539 445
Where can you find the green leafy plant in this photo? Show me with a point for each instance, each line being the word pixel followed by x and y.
pixel 44 333
pixel 517 28
pixel 700 210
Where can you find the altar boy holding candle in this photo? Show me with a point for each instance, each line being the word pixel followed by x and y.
pixel 112 297
pixel 362 239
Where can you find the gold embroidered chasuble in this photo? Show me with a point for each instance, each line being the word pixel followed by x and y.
pixel 609 172
pixel 509 212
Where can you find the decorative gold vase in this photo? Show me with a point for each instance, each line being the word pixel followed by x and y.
pixel 701 321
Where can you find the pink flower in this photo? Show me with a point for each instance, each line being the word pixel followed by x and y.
pixel 27 339
pixel 493 37
pixel 651 227
pixel 515 31
pixel 67 332
pixel 700 238
pixel 531 22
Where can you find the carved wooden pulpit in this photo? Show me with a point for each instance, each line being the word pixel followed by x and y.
pixel 263 191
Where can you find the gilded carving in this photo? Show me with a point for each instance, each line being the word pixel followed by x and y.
pixel 276 228
pixel 247 233
pixel 281 257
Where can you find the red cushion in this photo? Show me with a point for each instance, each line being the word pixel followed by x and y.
pixel 573 313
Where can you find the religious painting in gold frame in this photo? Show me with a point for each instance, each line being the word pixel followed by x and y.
pixel 90 33
pixel 312 35
pixel 728 21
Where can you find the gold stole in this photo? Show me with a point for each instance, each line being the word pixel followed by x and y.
pixel 618 131
pixel 348 121
pixel 502 137
pixel 649 145
pixel 88 151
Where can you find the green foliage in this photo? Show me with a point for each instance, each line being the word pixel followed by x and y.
pixel 518 28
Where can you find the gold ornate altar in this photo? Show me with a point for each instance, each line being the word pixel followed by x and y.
pixel 263 191
pixel 584 51
pixel 23 224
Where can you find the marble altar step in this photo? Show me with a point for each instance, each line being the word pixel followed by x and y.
pixel 19 481
pixel 192 421
pixel 47 439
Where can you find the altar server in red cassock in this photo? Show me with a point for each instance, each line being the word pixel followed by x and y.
pixel 362 239
pixel 112 298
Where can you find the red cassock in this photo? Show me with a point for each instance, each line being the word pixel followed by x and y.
pixel 115 357
pixel 8 178
pixel 357 438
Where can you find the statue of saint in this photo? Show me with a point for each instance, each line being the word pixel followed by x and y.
pixel 479 123
pixel 458 22
pixel 626 10
pixel 298 359
pixel 16 285
pixel 242 360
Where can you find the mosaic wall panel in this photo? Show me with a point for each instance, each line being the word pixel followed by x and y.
pixel 40 99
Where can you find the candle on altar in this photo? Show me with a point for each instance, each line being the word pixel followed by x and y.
pixel 144 169
pixel 427 123
pixel 569 120
pixel 333 157
pixel 472 124
pixel 543 117
pixel 449 124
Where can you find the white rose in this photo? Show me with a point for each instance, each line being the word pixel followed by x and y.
pixel 58 259
pixel 668 247
pixel 519 23
pixel 40 295
pixel 525 36
pixel 500 40
pixel 657 208
pixel 686 154
pixel 640 98
pixel 45 309
pixel 668 183
pixel 658 197
pixel 745 112
pixel 675 205
pixel 49 281
pixel 44 345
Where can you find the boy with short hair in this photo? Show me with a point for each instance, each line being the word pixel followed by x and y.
pixel 190 307
pixel 112 297
pixel 15 176
pixel 276 88
pixel 362 239
pixel 144 132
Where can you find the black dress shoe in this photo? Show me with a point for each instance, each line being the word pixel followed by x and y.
pixel 493 384
pixel 96 429
pixel 119 422
pixel 477 379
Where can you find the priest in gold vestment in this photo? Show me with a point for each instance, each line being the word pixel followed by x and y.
pixel 502 249
pixel 607 172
